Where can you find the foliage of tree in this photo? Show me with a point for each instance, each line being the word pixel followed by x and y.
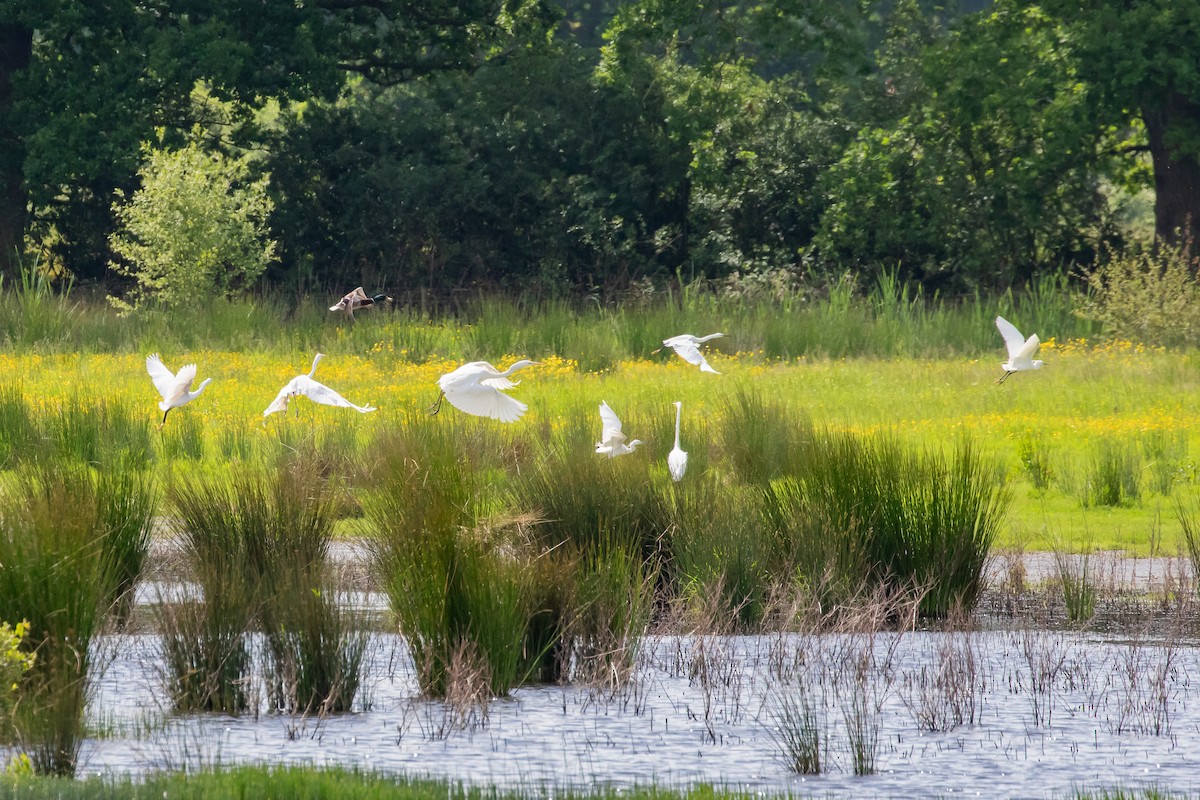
pixel 1140 59
pixel 196 228
pixel 987 161
pixel 535 145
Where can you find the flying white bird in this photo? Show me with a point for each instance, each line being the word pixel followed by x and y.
pixel 477 388
pixel 174 387
pixel 612 440
pixel 1020 350
pixel 687 347
pixel 677 460
pixel 356 300
pixel 317 392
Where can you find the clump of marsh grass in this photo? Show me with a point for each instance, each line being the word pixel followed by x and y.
pixel 59 577
pixel 800 728
pixel 1078 584
pixel 1165 452
pixel 610 608
pixel 183 439
pixel 723 564
pixel 1033 452
pixel 452 591
pixel 258 546
pixel 880 515
pixel 591 501
pixel 946 694
pixel 762 438
pixel 1113 475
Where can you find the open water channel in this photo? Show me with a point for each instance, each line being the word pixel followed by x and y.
pixel 1053 712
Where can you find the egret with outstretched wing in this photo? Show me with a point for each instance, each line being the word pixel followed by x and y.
pixel 317 392
pixel 478 388
pixel 175 387
pixel 687 347
pixel 1020 350
pixel 612 441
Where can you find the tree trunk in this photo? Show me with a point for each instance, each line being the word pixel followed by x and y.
pixel 16 49
pixel 1176 172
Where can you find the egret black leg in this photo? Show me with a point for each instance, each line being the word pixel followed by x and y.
pixel 164 419
pixel 437 405
pixel 1003 378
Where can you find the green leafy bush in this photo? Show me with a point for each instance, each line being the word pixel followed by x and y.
pixel 196 228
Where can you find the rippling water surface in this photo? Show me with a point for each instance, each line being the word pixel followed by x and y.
pixel 1054 712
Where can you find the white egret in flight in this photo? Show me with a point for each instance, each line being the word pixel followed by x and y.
pixel 175 388
pixel 612 440
pixel 356 300
pixel 677 460
pixel 317 392
pixel 1020 350
pixel 478 388
pixel 687 347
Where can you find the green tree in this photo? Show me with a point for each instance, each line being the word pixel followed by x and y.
pixel 1141 60
pixel 985 158
pixel 82 84
pixel 196 227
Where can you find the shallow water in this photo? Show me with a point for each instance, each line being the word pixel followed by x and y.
pixel 1055 712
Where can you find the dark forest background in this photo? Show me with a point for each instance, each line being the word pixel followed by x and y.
pixel 590 146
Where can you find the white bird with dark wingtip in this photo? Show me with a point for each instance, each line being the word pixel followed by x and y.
pixel 175 387
pixel 612 441
pixel 677 460
pixel 478 388
pixel 687 347
pixel 317 392
pixel 1020 350
pixel 356 300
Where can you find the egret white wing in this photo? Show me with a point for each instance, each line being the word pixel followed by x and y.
pixel 1013 340
pixel 610 423
pixel 183 381
pixel 281 400
pixel 498 383
pixel 1028 349
pixel 164 379
pixel 320 393
pixel 491 404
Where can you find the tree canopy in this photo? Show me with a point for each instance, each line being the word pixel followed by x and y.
pixel 588 144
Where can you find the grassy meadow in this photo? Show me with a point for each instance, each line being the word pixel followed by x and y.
pixel 1098 411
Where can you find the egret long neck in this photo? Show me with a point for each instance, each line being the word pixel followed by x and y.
pixel 316 361
pixel 678 411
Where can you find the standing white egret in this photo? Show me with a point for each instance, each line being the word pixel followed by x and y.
pixel 1020 350
pixel 317 392
pixel 175 387
pixel 612 440
pixel 356 300
pixel 687 347
pixel 477 388
pixel 677 460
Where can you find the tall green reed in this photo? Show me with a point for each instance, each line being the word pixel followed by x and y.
pixel 453 591
pixel 58 575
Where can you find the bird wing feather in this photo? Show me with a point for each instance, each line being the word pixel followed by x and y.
pixel 689 352
pixel 320 393
pixel 164 379
pixel 1029 348
pixel 280 403
pixel 498 383
pixel 610 424
pixel 486 402
pixel 183 381
pixel 1013 340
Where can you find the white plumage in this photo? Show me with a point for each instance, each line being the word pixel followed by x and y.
pixel 677 460
pixel 478 388
pixel 1020 350
pixel 317 392
pixel 175 387
pixel 612 441
pixel 687 347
